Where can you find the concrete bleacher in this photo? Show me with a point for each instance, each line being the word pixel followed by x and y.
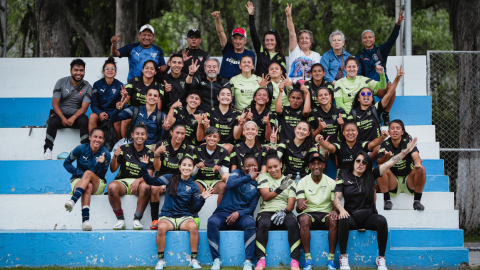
pixel 36 230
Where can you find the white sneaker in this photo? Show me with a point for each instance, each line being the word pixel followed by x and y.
pixel 48 154
pixel 120 225
pixel 86 226
pixel 216 264
pixel 344 263
pixel 69 205
pixel 381 263
pixel 137 225
pixel 195 264
pixel 160 264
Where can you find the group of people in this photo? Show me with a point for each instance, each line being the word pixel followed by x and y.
pixel 244 129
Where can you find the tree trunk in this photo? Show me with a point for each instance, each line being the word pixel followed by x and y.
pixel 466 35
pixel 126 22
pixel 3 29
pixel 90 37
pixel 53 30
pixel 263 16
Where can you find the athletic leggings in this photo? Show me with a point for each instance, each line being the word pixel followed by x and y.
pixel 265 224
pixel 365 220
pixel 55 123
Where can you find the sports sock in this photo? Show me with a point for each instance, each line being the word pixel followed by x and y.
pixel 331 256
pixel 308 256
pixel 160 255
pixel 78 193
pixel 386 196
pixel 194 255
pixel 138 215
pixel 154 210
pixel 85 213
pixel 417 196
pixel 119 214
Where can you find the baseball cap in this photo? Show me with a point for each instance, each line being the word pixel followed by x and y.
pixel 239 31
pixel 192 32
pixel 147 27
pixel 316 156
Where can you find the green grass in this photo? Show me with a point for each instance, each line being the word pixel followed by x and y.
pixel 148 268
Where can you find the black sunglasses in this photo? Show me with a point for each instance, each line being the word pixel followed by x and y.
pixel 363 161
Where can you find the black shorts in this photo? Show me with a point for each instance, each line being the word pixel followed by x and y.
pixel 317 218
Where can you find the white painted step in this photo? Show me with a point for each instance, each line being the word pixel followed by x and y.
pixel 431 201
pixel 424 133
pixel 429 150
pixel 46 212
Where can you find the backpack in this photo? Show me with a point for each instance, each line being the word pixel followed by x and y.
pixel 109 134
pixel 136 110
pixel 380 57
pixel 374 112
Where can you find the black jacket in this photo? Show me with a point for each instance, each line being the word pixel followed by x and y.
pixel 209 90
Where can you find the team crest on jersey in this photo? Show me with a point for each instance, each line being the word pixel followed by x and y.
pixel 114 90
pixel 216 119
pixel 203 83
pixel 334 117
pixel 252 187
pixel 298 112
pixel 200 58
pixel 182 84
pixel 387 143
pixel 194 121
pixel 304 153
pixel 154 55
pixel 369 113
pixel 229 119
pixel 180 156
pixel 154 117
pixel 216 160
pixel 188 188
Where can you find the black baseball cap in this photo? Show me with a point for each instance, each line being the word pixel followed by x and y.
pixel 192 32
pixel 316 156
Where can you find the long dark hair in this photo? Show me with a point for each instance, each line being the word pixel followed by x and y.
pixel 176 178
pixel 156 77
pixel 356 103
pixel 366 180
pixel 309 141
pixel 279 47
pixel 400 122
pixel 253 62
pixel 269 103
pixel 349 122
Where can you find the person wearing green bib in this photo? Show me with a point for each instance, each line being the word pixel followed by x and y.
pixel 278 83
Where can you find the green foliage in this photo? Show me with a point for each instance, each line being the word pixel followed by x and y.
pixel 16 28
pixel 431 31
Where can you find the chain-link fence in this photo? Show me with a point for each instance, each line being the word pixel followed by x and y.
pixel 454 84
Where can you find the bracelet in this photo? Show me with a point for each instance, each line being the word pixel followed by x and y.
pixel 155 156
pixel 403 153
pixel 190 75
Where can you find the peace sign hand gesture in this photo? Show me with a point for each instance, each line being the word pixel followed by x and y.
pixel 192 69
pixel 401 17
pixel 249 115
pixel 241 119
pixel 166 124
pixel 400 73
pixel 288 10
pixel 273 135
pixel 206 121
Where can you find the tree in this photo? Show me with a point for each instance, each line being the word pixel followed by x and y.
pixel 263 16
pixel 126 21
pixel 52 25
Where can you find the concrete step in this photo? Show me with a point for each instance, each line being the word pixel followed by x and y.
pixel 46 212
pixel 426 238
pixel 412 110
pixel 431 201
pixel 137 248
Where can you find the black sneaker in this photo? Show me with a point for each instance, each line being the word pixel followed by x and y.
pixel 417 205
pixel 388 205
pixel 386 119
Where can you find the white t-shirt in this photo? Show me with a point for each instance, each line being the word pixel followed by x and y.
pixel 295 67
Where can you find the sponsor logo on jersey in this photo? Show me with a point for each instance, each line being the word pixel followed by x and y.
pixel 86 158
pixel 369 113
pixel 334 117
pixel 203 83
pixel 298 112
pixel 350 182
pixel 154 117
pixel 194 121
pixel 229 119
pixel 304 153
pixel 103 90
pixel 141 114
pixel 252 187
pixel 129 156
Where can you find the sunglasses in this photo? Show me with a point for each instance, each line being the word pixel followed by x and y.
pixel 367 93
pixel 363 161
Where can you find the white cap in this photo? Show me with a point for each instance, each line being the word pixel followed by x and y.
pixel 145 27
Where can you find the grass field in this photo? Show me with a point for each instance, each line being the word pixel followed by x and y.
pixel 167 268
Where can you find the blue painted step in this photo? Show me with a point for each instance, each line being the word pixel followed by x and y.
pixel 426 238
pixel 137 248
pixel 17 112
pixel 49 176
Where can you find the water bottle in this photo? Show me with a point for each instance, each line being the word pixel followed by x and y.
pixel 297 178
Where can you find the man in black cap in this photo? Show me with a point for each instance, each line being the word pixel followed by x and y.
pixel 193 52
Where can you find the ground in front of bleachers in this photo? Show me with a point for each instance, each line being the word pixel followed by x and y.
pixel 174 268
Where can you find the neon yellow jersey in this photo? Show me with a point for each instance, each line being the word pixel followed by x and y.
pixel 276 90
pixel 265 180
pixel 243 90
pixel 320 195
pixel 347 88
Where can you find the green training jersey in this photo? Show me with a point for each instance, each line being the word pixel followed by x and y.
pixel 243 90
pixel 319 196
pixel 347 89
pixel 276 91
pixel 265 180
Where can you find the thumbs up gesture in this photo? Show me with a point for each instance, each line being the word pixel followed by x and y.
pixel 340 119
pixel 168 87
pixel 101 158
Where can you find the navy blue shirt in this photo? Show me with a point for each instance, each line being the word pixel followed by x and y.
pixel 137 55
pixel 231 60
pixel 241 194
pixel 105 97
pixel 87 160
pixel 187 201
pixel 149 120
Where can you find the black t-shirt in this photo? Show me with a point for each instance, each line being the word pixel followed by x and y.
pixel 288 120
pixel 198 54
pixel 330 118
pixel 295 158
pixel 368 126
pixel 181 114
pixel 224 123
pixel 353 190
pixel 137 90
pixel 239 151
pixel 209 90
pixel 130 164
pixel 179 91
pixel 218 157
pixel 313 90
pixel 345 154
pixel 262 126
pixel 171 158
pixel 403 167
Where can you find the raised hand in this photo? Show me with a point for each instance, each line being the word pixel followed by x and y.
pixel 207 192
pixel 168 87
pixel 249 115
pixel 216 15
pixel 265 80
pixel 115 39
pixel 411 145
pixel 177 104
pixel 193 67
pixel 286 81
pixel 206 121
pixel 166 124
pixel 321 125
pixel 340 119
pixel 400 73
pixel 144 159
pixel 124 92
pixel 288 10
pixel 319 138
pixel 380 69
pixel 401 17
pixel 185 55
pixel 266 118
pixel 250 8
pixel 384 134
pixel 273 135
pixel 118 152
pixel 241 119
pixel 101 158
pixel 160 150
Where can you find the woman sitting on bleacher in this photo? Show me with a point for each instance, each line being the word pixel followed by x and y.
pixel 182 199
pixel 89 176
pixel 105 95
pixel 408 175
pixel 356 185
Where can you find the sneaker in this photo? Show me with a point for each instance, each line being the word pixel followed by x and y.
pixel 331 265
pixel 260 264
pixel 194 264
pixel 381 263
pixel 386 119
pixel 86 226
pixel 344 263
pixel 294 265
pixel 247 265
pixel 120 225
pixel 417 205
pixel 160 264
pixel 48 154
pixel 63 155
pixel 216 264
pixel 388 205
pixel 154 225
pixel 307 265
pixel 137 225
pixel 69 205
